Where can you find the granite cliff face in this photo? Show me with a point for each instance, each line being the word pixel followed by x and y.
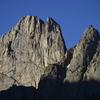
pixel 35 64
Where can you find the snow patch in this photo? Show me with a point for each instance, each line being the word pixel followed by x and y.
pixel 68 66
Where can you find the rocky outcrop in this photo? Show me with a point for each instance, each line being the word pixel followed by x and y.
pixel 34 60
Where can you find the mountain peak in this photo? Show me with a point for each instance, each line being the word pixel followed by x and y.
pixel 90 26
pixel 90 31
pixel 29 17
pixel 49 19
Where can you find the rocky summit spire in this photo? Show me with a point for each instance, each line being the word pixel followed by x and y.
pixel 28 46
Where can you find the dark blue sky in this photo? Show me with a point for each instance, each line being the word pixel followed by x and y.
pixel 72 15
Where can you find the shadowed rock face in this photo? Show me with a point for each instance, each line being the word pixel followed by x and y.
pixel 33 54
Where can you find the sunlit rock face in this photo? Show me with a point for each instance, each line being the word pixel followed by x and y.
pixel 30 46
